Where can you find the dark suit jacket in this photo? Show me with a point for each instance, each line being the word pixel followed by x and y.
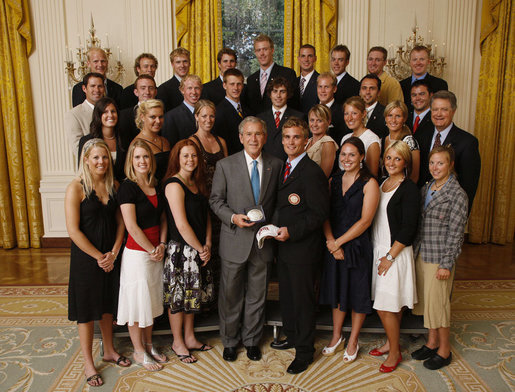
pixel 127 126
pixel 348 87
pixel 310 96
pixel 169 93
pixel 227 121
pixel 121 153
pixel 214 91
pixel 425 123
pixel 437 84
pixel 252 92
pixel 128 99
pixel 308 185
pixel 376 122
pixel 467 162
pixel 403 211
pixel 114 90
pixel 274 137
pixel 179 124
pixel 338 128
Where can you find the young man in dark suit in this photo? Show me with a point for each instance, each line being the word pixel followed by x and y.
pixel 279 90
pixel 255 94
pixel 419 63
pixel 370 89
pixel 168 92
pixel 145 64
pixel 346 85
pixel 467 162
pixel 97 63
pixel 180 122
pixel 420 116
pixel 144 89
pixel 326 89
pixel 230 111
pixel 214 90
pixel 301 209
pixel 307 81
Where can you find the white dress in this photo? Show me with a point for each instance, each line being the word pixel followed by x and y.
pixel 397 288
pixel 368 138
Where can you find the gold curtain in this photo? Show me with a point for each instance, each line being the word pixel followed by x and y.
pixel 199 29
pixel 21 221
pixel 309 22
pixel 493 214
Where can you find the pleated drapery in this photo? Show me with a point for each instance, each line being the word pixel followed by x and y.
pixel 493 213
pixel 309 22
pixel 21 222
pixel 199 29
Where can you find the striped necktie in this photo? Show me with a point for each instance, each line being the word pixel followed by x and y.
pixel 240 112
pixel 287 171
pixel 277 118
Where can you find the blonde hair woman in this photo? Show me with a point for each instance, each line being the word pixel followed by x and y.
pixel 321 148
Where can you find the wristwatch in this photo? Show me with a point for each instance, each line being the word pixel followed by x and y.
pixel 389 257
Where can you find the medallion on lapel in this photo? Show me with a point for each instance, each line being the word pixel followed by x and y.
pixel 294 199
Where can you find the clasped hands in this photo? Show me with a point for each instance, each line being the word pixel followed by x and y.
pixel 158 252
pixel 205 254
pixel 334 249
pixel 106 262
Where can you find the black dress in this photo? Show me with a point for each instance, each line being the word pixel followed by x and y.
pixel 347 282
pixel 162 164
pixel 187 285
pixel 91 291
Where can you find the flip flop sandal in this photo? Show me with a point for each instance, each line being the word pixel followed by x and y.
pixel 156 354
pixel 119 361
pixel 202 348
pixel 183 357
pixel 95 378
pixel 147 360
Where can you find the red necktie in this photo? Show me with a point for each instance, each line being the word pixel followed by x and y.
pixel 287 171
pixel 415 126
pixel 277 119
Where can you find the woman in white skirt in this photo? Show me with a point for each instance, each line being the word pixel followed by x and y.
pixel 393 231
pixel 141 276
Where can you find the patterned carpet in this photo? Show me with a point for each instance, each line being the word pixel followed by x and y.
pixel 39 351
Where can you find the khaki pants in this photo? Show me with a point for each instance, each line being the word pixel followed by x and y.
pixel 434 296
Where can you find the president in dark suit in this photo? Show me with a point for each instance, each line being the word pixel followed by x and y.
pixel 241 181
pixel 467 162
pixel 370 88
pixel 419 63
pixel 346 85
pixel 302 207
pixel 255 95
pixel 306 84
pixel 168 92
pixel 145 64
pixel 275 116
pixel 180 122
pixel 97 62
pixel 230 111
pixel 214 90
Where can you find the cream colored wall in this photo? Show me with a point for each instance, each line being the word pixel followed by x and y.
pixel 366 23
pixel 146 26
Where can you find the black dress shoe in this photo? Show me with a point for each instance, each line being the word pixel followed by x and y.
pixel 423 353
pixel 298 366
pixel 281 345
pixel 230 354
pixel 254 353
pixel 436 362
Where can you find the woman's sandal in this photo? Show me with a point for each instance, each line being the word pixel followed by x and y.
pixel 156 354
pixel 185 357
pixel 95 380
pixel 204 347
pixel 147 360
pixel 120 361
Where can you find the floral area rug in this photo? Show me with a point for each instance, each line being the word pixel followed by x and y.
pixel 39 351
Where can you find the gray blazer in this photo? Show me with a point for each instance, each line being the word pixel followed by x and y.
pixel 441 229
pixel 76 124
pixel 232 193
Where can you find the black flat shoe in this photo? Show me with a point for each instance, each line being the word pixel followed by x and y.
pixel 423 353
pixel 253 353
pixel 230 354
pixel 436 362
pixel 281 345
pixel 298 366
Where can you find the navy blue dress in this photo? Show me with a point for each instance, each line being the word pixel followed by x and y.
pixel 347 282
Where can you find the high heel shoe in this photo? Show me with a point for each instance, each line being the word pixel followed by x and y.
pixel 387 369
pixel 350 358
pixel 330 351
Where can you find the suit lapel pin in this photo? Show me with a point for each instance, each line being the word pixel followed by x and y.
pixel 294 199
